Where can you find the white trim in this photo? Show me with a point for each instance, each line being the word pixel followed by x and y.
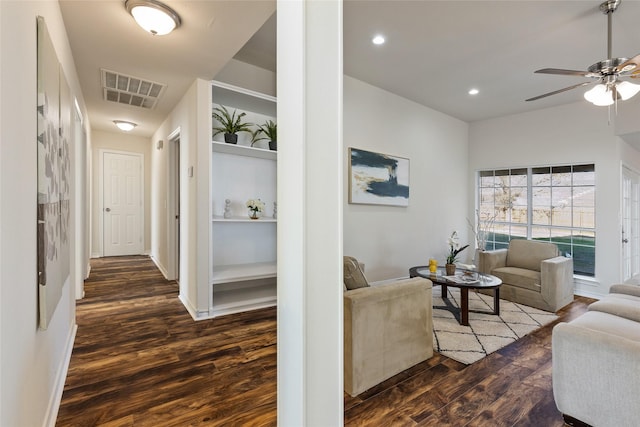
pixel 56 397
pixel 101 153
pixel 160 267
pixel 195 314
pixel 586 286
pixel 243 90
pixel 173 247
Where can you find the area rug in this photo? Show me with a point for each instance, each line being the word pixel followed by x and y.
pixel 486 333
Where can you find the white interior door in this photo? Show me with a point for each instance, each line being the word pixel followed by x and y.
pixel 630 223
pixel 122 204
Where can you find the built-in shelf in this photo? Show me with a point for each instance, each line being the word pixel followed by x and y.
pixel 242 150
pixel 243 272
pixel 240 279
pixel 217 218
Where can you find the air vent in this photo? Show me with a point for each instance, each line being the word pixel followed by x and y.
pixel 130 90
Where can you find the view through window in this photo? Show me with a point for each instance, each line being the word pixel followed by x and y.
pixel 552 203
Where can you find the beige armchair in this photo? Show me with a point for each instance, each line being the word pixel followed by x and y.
pixel 388 328
pixel 532 272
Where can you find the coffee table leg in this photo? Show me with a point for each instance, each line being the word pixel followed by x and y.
pixel 464 306
pixel 496 301
pixel 443 288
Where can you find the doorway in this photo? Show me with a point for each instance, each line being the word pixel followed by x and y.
pixel 122 203
pixel 630 223
pixel 174 206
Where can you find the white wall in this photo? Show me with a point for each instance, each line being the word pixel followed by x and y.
pixel 387 239
pixel 33 362
pixel 569 134
pixel 192 118
pixel 118 141
pixel 248 76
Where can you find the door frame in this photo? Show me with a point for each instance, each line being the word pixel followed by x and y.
pixel 173 246
pixel 634 246
pixel 101 153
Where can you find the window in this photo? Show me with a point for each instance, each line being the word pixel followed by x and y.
pixel 552 203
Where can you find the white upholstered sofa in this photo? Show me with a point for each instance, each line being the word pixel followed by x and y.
pixel 596 362
pixel 388 328
pixel 533 273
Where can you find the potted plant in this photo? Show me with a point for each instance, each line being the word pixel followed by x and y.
pixel 454 250
pixel 270 129
pixel 255 206
pixel 230 124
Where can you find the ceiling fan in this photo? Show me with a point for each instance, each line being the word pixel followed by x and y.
pixel 609 74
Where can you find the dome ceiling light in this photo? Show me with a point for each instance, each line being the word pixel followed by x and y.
pixel 153 16
pixel 124 125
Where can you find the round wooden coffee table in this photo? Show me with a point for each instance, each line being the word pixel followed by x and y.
pixel 465 280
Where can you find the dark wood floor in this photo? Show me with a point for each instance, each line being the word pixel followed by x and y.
pixel 140 360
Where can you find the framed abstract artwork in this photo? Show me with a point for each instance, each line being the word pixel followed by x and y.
pixel 53 111
pixel 378 179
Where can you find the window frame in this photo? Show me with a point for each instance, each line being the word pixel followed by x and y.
pixel 509 225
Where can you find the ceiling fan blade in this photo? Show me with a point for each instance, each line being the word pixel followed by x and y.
pixel 559 91
pixel 632 65
pixel 562 72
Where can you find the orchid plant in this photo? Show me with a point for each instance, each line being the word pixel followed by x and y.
pixel 255 205
pixel 454 248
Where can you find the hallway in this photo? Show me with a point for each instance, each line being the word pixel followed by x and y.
pixel 140 360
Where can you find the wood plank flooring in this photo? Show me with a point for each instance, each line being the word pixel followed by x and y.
pixel 140 360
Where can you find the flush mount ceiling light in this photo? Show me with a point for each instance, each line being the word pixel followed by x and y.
pixel 125 126
pixel 153 16
pixel 473 91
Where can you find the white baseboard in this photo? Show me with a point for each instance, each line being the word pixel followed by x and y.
pixel 195 314
pixel 160 267
pixel 61 377
pixel 248 305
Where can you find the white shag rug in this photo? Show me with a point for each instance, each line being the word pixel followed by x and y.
pixel 486 333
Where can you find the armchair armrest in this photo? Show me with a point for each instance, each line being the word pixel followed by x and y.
pixel 489 260
pixel 556 281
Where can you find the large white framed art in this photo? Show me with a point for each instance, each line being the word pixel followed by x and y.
pixel 378 179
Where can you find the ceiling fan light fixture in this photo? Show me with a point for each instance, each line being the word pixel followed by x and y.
pixel 124 125
pixel 599 95
pixel 153 16
pixel 627 90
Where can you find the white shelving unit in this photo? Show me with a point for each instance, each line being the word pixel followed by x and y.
pixel 243 262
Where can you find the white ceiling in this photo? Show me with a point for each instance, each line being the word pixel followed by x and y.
pixel 210 34
pixel 435 51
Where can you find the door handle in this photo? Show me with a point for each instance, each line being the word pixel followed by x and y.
pixel 108 209
pixel 625 240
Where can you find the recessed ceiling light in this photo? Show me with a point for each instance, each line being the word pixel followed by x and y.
pixel 378 39
pixel 153 16
pixel 473 91
pixel 124 126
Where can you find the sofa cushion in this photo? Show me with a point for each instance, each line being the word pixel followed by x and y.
pixel 614 326
pixel 353 275
pixel 519 277
pixel 625 288
pixel 528 254
pixel 626 306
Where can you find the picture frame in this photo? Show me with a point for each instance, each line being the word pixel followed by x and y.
pixel 378 179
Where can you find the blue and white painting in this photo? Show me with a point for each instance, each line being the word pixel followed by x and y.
pixel 378 179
